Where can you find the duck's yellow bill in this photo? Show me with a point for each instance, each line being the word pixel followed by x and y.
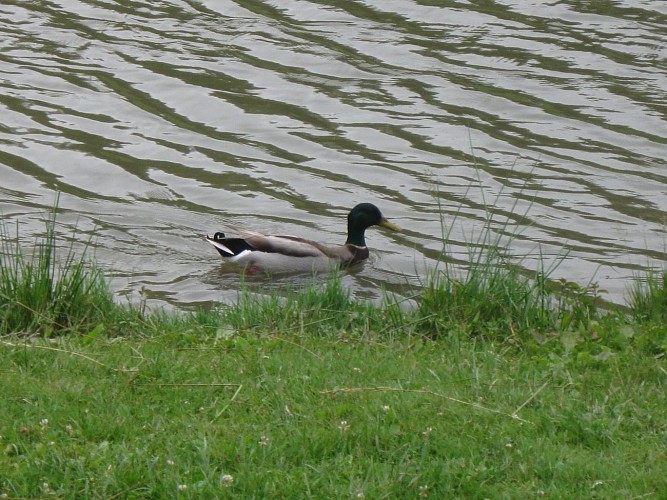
pixel 389 225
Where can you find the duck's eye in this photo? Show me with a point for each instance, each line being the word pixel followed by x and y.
pixel 219 236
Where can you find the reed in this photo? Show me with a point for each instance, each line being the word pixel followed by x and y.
pixel 648 297
pixel 42 292
pixel 494 293
pixel 492 297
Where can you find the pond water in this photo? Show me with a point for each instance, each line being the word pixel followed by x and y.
pixel 158 122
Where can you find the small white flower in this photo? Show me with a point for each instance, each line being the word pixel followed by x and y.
pixel 44 423
pixel 69 430
pixel 170 462
pixel 385 408
pixel 423 491
pixel 427 432
pixel 227 480
pixel 182 487
pixel 264 441
pixel 45 487
pixel 343 426
pixel 356 370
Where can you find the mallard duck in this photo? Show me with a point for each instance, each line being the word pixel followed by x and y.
pixel 279 253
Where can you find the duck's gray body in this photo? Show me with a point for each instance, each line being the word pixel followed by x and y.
pixel 281 253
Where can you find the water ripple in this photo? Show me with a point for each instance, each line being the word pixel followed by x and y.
pixel 159 122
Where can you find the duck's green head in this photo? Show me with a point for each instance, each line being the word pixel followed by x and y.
pixel 361 218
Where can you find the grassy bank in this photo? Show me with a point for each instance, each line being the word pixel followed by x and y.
pixel 498 385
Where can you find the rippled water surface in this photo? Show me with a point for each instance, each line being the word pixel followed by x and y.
pixel 160 121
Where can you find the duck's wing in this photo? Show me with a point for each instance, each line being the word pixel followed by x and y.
pixel 290 246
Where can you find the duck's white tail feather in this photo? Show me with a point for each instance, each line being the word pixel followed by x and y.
pixel 220 246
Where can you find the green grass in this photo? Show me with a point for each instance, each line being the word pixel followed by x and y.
pixel 42 292
pixel 348 412
pixel 493 293
pixel 499 384
pixel 648 297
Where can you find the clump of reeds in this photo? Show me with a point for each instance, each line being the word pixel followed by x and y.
pixel 648 297
pixel 492 293
pixel 42 292
pixel 490 297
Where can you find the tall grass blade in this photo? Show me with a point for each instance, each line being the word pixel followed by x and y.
pixel 42 293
